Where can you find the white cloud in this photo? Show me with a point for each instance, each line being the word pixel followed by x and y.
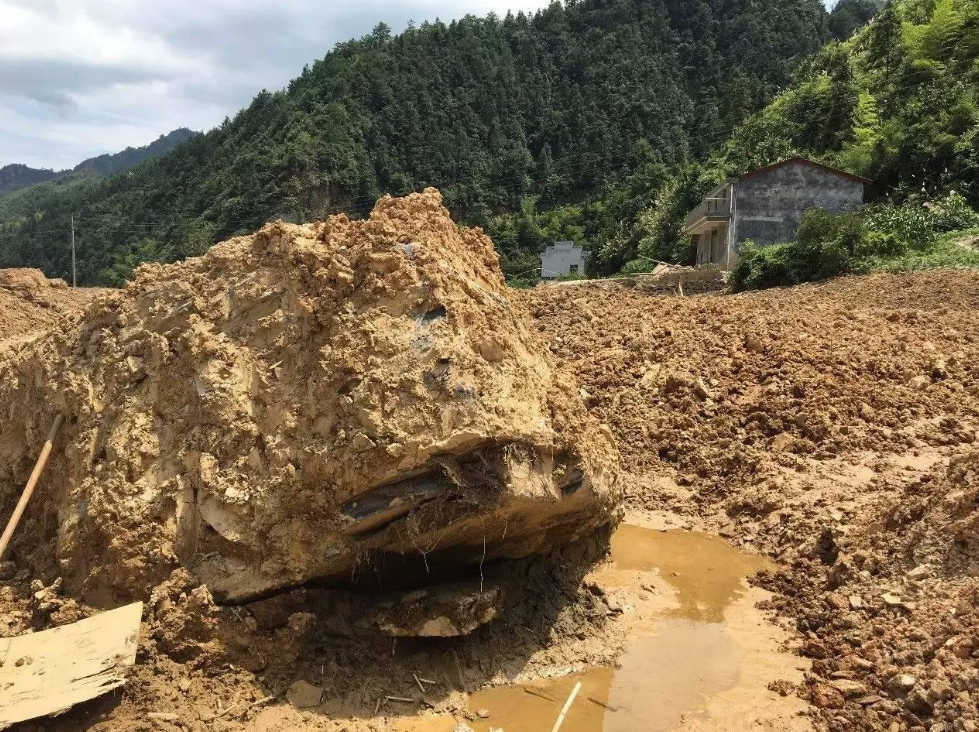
pixel 83 77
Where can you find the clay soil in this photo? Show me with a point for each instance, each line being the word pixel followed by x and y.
pixel 830 427
pixel 31 304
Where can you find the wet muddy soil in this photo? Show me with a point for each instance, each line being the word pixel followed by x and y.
pixel 698 653
pixel 831 428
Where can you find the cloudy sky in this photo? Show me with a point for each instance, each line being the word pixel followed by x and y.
pixel 83 77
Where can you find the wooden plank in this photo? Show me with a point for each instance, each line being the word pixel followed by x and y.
pixel 49 672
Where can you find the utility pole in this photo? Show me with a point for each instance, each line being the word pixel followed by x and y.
pixel 74 276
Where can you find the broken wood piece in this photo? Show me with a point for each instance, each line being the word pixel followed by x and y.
pixel 419 682
pixel 32 482
pixel 263 701
pixel 428 681
pixel 401 699
pixel 51 671
pixel 567 707
pixel 603 705
pixel 224 712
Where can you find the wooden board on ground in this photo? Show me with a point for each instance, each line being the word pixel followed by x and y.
pixel 49 672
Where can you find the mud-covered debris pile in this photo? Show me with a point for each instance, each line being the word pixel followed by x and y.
pixel 890 606
pixel 31 304
pixel 350 401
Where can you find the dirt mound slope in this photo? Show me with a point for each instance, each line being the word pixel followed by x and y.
pixel 345 401
pixel 887 598
pixel 832 426
pixel 31 304
pixel 711 387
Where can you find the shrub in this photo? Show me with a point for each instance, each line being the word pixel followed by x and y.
pixel 884 237
pixel 881 244
pixel 827 243
pixel 951 213
pixel 762 267
pixel 638 266
pixel 917 225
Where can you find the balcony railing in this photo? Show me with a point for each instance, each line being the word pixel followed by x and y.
pixel 712 209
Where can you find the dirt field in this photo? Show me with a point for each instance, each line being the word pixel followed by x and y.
pixel 829 428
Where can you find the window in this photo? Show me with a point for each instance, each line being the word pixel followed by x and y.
pixel 573 269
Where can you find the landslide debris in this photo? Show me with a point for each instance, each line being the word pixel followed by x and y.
pixel 894 613
pixel 31 304
pixel 347 402
pixel 716 390
pixel 832 426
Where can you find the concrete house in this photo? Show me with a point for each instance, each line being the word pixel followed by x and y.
pixel 766 206
pixel 562 259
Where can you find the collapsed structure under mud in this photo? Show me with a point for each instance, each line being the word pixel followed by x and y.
pixel 347 402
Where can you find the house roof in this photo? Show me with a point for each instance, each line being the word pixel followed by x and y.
pixel 807 161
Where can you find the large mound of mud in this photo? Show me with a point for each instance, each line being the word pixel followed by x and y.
pixel 344 401
pixel 31 304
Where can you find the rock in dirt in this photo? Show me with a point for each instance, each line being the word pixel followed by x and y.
pixel 304 695
pixel 347 401
pixel 849 688
pixel 440 612
pixel 902 682
pixel 892 600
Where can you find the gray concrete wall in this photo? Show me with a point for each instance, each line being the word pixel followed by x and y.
pixel 770 205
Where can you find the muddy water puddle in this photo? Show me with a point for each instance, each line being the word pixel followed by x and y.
pixel 677 660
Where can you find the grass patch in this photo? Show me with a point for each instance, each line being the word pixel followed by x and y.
pixel 946 253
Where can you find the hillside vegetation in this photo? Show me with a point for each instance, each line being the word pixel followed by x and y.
pixel 133 156
pixel 16 177
pixel 898 104
pixel 590 106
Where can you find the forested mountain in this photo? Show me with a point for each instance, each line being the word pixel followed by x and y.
pixel 587 106
pixel 898 103
pixel 16 176
pixel 132 156
pixel 849 16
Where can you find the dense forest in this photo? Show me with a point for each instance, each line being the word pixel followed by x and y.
pixel 16 176
pixel 897 103
pixel 562 122
pixel 110 164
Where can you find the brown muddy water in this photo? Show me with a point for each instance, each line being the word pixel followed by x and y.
pixel 689 653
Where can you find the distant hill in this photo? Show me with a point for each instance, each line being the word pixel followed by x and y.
pixel 132 156
pixel 16 176
pixel 503 113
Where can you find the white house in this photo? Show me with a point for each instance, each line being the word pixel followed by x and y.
pixel 563 259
